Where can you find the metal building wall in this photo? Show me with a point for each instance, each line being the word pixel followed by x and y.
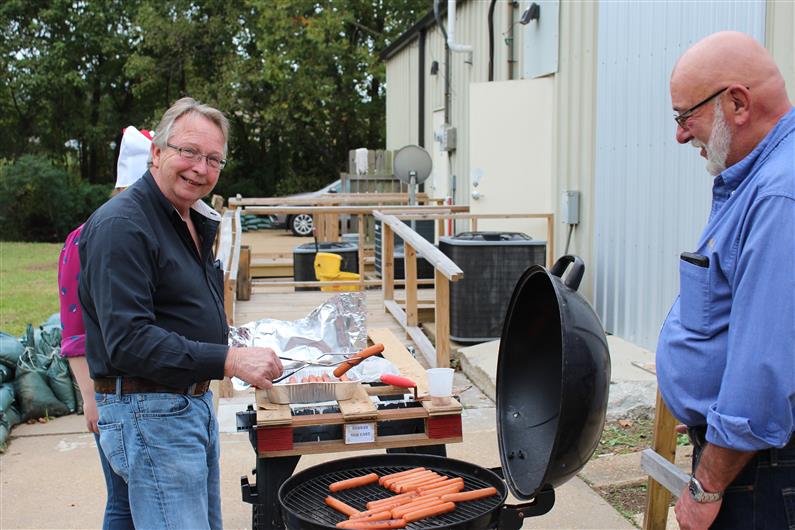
pixel 652 194
pixel 402 99
pixel 471 28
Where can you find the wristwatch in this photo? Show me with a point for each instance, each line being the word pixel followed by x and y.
pixel 701 496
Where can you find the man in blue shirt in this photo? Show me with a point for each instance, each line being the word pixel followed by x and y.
pixel 726 353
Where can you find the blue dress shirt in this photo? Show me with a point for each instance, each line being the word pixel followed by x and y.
pixel 726 352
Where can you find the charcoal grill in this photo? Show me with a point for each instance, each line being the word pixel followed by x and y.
pixel 553 376
pixel 302 495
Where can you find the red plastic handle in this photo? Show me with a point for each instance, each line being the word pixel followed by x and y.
pixel 396 380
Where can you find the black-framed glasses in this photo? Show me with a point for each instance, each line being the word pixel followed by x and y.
pixel 681 119
pixel 189 153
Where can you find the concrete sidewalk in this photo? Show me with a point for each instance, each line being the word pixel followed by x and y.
pixel 50 476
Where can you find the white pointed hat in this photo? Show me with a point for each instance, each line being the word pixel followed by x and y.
pixel 133 156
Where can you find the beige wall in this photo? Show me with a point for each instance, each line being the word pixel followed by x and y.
pixel 511 150
pixel 402 102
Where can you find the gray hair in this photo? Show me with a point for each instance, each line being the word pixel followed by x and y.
pixel 181 108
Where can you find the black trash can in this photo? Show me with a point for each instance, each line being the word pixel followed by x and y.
pixel 492 263
pixel 304 260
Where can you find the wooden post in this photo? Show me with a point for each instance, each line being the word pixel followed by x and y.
pixel 442 317
pixel 244 274
pixel 388 261
pixel 360 223
pixel 657 497
pixel 410 266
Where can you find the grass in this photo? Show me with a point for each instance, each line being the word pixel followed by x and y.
pixel 28 284
pixel 625 436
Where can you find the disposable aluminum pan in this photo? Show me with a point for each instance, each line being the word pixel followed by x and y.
pixel 311 392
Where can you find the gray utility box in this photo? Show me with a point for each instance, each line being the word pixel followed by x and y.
pixel 304 260
pixel 492 263
pixel 425 228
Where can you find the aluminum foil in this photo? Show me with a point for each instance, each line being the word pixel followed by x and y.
pixel 338 326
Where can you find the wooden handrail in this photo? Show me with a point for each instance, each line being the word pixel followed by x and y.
pixel 329 199
pixel 424 248
pixel 269 210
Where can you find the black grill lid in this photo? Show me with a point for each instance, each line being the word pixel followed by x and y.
pixel 553 375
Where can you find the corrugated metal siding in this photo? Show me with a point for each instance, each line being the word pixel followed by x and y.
pixel 574 128
pixel 402 100
pixel 652 194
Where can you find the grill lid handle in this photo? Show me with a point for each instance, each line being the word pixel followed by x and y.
pixel 512 515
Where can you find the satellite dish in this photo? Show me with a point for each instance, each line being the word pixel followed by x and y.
pixel 413 166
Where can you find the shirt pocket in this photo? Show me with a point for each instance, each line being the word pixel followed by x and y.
pixel 695 304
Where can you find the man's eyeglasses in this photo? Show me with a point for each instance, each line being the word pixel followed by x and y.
pixel 188 153
pixel 681 119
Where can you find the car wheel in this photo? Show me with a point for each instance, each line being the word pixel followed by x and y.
pixel 302 225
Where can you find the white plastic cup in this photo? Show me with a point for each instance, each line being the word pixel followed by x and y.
pixel 440 385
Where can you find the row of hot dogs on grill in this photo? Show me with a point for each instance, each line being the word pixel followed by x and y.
pixel 420 493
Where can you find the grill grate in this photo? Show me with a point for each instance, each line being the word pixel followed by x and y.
pixel 307 499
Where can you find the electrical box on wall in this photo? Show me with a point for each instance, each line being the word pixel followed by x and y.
pixel 540 19
pixel 570 207
pixel 447 138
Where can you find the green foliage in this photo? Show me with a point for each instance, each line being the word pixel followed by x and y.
pixel 40 202
pixel 299 79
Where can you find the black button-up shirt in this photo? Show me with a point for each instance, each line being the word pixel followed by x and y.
pixel 152 305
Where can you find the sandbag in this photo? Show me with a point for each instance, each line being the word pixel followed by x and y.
pixel 76 390
pixel 60 380
pixel 35 398
pixel 10 350
pixel 6 373
pixel 53 322
pixel 8 418
pixel 48 342
pixel 6 395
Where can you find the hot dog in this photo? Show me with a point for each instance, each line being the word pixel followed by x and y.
pixel 394 482
pixel 359 523
pixel 424 502
pixel 431 511
pixel 354 482
pixel 400 474
pixel 472 495
pixel 341 506
pixel 447 482
pixel 395 499
pixel 452 488
pixel 357 358
pixel 431 481
pixel 381 515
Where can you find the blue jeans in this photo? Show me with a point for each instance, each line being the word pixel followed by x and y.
pixel 762 497
pixel 117 507
pixel 165 446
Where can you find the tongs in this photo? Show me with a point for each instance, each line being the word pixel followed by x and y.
pixel 341 366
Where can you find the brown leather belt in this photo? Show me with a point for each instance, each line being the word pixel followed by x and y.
pixel 137 385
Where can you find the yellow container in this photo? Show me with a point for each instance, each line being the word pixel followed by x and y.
pixel 327 269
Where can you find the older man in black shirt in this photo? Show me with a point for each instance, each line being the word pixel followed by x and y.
pixel 156 333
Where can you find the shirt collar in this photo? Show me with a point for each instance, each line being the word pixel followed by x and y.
pixel 732 177
pixel 199 206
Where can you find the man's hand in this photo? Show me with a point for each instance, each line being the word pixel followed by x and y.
pixel 90 412
pixel 692 515
pixel 256 366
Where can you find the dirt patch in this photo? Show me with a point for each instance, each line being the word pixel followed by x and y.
pixel 42 266
pixel 625 436
pixel 627 500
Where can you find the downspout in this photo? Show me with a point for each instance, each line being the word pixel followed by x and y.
pixel 451 43
pixel 491 40
pixel 421 95
pixel 509 7
pixel 438 16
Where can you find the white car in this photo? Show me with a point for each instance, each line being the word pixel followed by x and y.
pixel 301 224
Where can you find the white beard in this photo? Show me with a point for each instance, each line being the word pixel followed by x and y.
pixel 718 145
